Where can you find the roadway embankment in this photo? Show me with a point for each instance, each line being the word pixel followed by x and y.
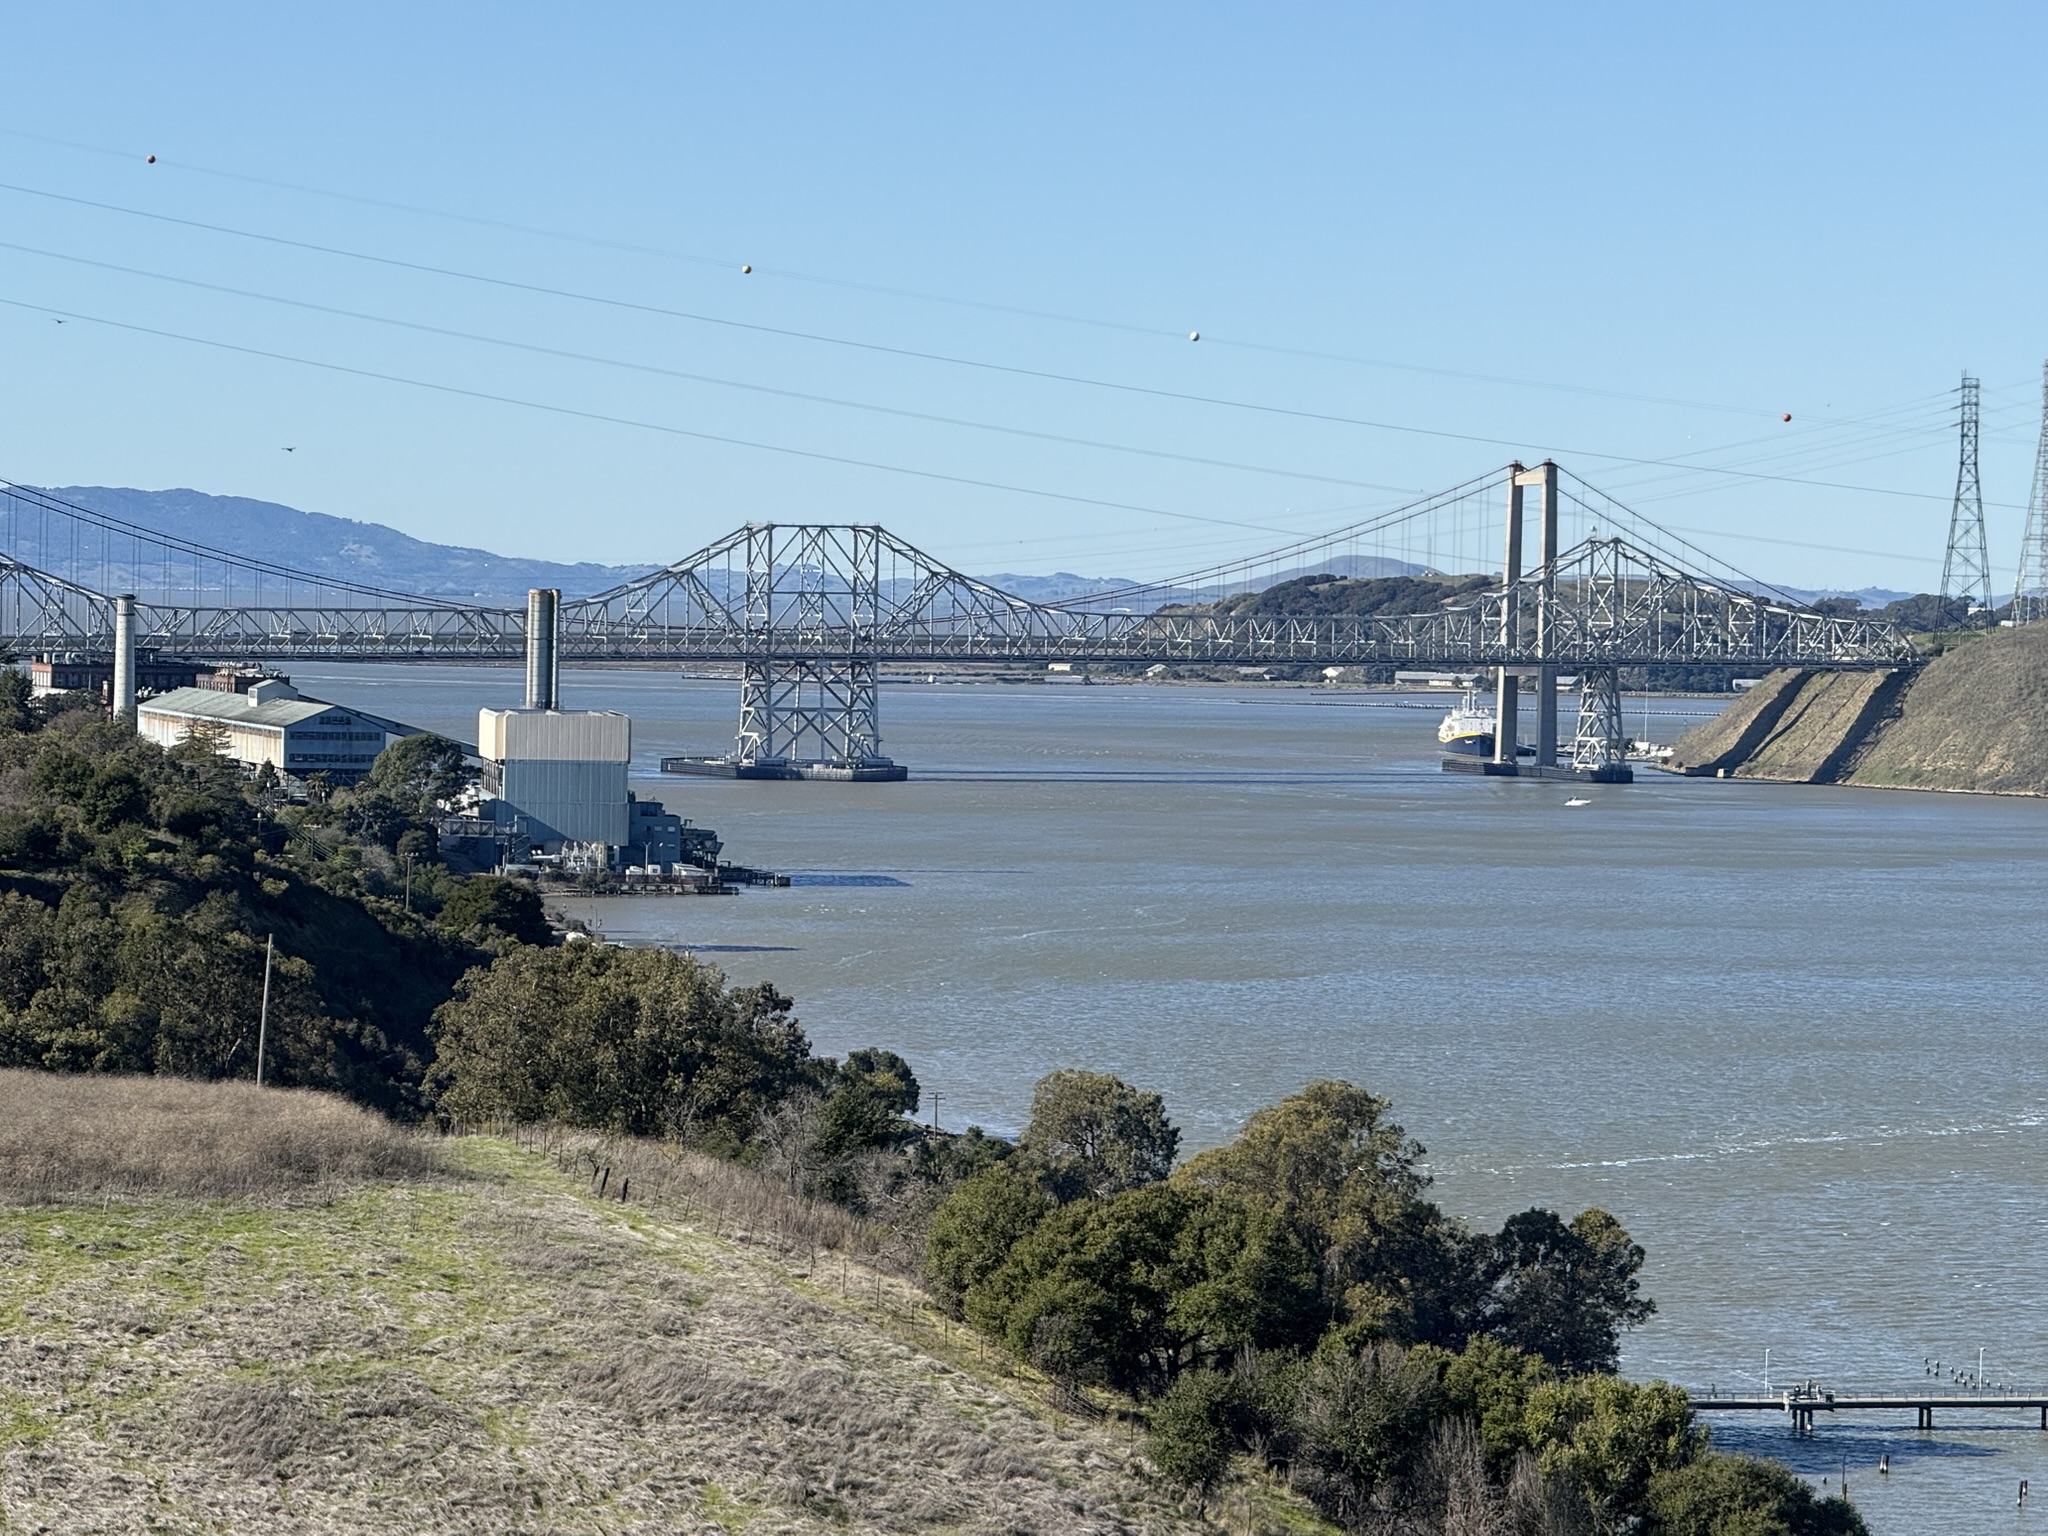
pixel 1974 719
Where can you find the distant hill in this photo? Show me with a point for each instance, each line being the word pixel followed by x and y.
pixel 323 545
pixel 381 556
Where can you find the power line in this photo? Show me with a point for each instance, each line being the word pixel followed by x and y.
pixel 727 264
pixel 908 352
pixel 696 378
pixel 625 421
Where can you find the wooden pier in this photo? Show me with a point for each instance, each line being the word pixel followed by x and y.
pixel 1802 1403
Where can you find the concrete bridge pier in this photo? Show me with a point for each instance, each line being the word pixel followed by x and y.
pixel 1507 688
pixel 1544 479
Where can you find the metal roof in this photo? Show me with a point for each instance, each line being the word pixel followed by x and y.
pixel 235 708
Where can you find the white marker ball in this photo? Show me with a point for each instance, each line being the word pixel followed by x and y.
pixel 746 269
pixel 1194 335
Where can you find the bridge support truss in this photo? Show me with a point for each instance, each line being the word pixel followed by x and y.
pixel 1600 745
pixel 807 712
pixel 810 691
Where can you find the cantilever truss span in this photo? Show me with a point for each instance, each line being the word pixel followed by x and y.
pixel 809 612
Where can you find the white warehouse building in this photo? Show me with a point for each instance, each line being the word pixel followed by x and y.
pixel 272 723
pixel 558 776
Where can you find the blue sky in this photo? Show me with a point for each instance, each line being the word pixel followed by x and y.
pixel 1642 232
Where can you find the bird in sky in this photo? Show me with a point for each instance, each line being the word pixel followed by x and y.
pixel 291 450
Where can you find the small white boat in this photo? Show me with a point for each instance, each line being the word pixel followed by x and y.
pixel 1578 800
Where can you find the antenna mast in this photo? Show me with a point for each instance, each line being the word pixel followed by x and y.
pixel 2030 590
pixel 1966 572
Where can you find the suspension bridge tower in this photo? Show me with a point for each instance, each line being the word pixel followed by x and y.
pixel 1966 570
pixel 2030 590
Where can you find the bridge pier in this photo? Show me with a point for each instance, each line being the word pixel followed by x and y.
pixel 1544 478
pixel 1507 689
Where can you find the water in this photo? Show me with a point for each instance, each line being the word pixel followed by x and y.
pixel 1786 1034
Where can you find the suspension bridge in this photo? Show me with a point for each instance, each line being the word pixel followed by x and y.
pixel 809 613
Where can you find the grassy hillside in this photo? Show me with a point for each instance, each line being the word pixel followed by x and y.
pixel 1973 719
pixel 1976 718
pixel 486 1344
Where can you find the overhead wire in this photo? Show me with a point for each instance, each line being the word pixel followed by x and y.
pixel 1017 370
pixel 624 421
pixel 658 370
pixel 727 263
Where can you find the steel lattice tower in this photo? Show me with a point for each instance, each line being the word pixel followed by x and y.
pixel 1966 571
pixel 2030 589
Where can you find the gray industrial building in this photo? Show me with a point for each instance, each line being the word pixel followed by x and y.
pixel 557 776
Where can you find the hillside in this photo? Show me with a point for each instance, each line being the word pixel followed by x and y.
pixel 326 546
pixel 1973 719
pixel 488 1346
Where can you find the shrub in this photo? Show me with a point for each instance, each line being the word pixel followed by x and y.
pixel 491 905
pixel 1191 1438
pixel 1719 1495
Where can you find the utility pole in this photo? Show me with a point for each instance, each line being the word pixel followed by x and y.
pixel 2030 588
pixel 263 1019
pixel 1966 570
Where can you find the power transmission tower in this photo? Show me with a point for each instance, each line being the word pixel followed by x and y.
pixel 2030 589
pixel 1966 572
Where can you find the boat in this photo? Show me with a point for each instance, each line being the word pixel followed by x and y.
pixel 1467 731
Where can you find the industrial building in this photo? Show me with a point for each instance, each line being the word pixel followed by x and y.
pixel 57 672
pixel 272 722
pixel 555 782
pixel 557 776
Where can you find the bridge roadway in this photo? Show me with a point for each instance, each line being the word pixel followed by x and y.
pixel 808 614
pixel 1802 1403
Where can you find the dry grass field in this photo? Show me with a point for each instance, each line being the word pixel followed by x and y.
pixel 477 1341
pixel 73 1136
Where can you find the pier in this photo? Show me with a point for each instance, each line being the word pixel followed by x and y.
pixel 1801 1403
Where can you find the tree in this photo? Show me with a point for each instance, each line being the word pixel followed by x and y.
pixel 1717 1495
pixel 1133 1289
pixel 1340 1169
pixel 114 796
pixel 17 701
pixel 638 1042
pixel 973 1231
pixel 422 771
pixel 1097 1136
pixel 871 1093
pixel 1563 1293
pixel 1489 1383
pixel 1609 1438
pixel 493 906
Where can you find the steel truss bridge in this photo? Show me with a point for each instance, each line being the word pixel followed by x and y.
pixel 808 613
